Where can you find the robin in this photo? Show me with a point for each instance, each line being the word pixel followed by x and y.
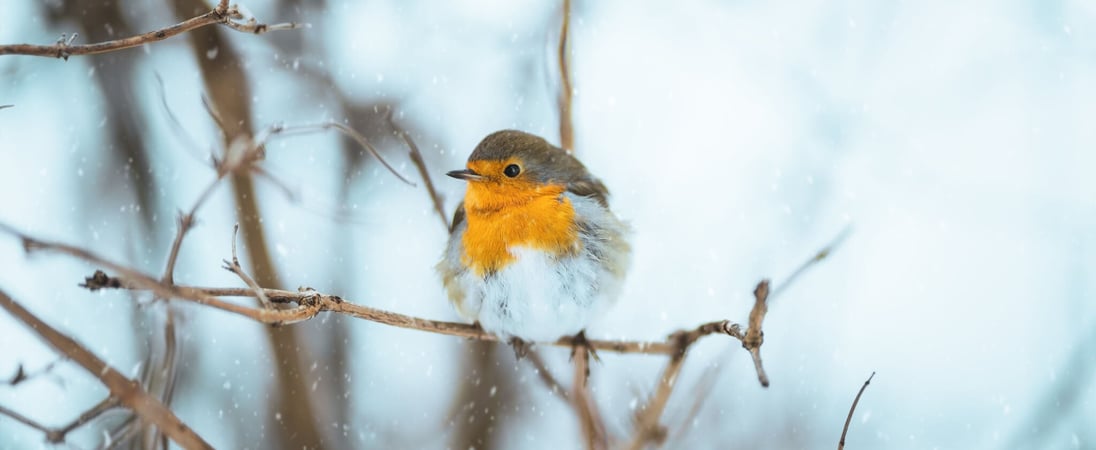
pixel 534 252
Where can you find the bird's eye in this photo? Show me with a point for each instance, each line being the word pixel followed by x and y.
pixel 512 170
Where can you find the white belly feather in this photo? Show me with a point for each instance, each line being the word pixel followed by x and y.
pixel 538 297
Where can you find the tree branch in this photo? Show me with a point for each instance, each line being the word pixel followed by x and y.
pixel 127 391
pixel 420 164
pixel 222 14
pixel 590 422
pixel 841 443
pixel 566 126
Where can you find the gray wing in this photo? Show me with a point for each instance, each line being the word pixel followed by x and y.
pixel 592 188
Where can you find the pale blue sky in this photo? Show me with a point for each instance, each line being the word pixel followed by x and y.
pixel 736 137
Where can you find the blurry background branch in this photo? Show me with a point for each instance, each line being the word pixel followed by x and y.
pixel 223 14
pixel 566 122
pixel 127 392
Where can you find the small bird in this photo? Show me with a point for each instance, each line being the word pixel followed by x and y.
pixel 534 252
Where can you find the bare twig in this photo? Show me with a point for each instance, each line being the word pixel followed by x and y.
pixel 754 336
pixel 127 391
pixel 553 384
pixel 701 392
pixel 21 375
pixel 6 106
pixel 590 421
pixel 648 428
pixel 23 419
pixel 844 431
pixel 183 222
pixel 817 258
pixel 566 126
pixel 57 436
pixel 420 164
pixel 222 14
pixel 350 132
pixel 235 268
pixel 186 222
pixel 189 142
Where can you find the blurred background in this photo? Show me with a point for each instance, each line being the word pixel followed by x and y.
pixel 738 138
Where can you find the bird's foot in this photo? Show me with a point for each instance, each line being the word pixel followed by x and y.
pixel 579 340
pixel 521 348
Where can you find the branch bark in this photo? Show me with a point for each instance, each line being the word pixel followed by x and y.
pixel 222 14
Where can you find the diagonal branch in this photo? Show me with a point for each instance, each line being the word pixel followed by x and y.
pixel 222 14
pixel 420 164
pixel 844 431
pixel 127 391
pixel 235 268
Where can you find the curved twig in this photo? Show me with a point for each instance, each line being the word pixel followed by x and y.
pixel 844 431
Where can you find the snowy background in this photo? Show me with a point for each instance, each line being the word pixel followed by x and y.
pixel 738 138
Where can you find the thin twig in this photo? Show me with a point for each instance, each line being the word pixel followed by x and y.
pixel 57 436
pixel 21 375
pixel 262 136
pixel 129 392
pixel 566 126
pixel 553 384
pixel 183 222
pixel 6 106
pixel 235 268
pixel 844 431
pixel 701 392
pixel 23 419
pixel 590 422
pixel 648 429
pixel 222 14
pixel 822 254
pixel 420 164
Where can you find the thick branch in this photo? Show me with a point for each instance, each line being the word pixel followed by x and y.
pixel 127 391
pixel 222 14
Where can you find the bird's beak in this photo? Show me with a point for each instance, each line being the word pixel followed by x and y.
pixel 466 174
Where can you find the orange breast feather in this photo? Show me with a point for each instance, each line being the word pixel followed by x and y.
pixel 500 218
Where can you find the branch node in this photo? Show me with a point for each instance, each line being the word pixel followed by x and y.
pixel 100 280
